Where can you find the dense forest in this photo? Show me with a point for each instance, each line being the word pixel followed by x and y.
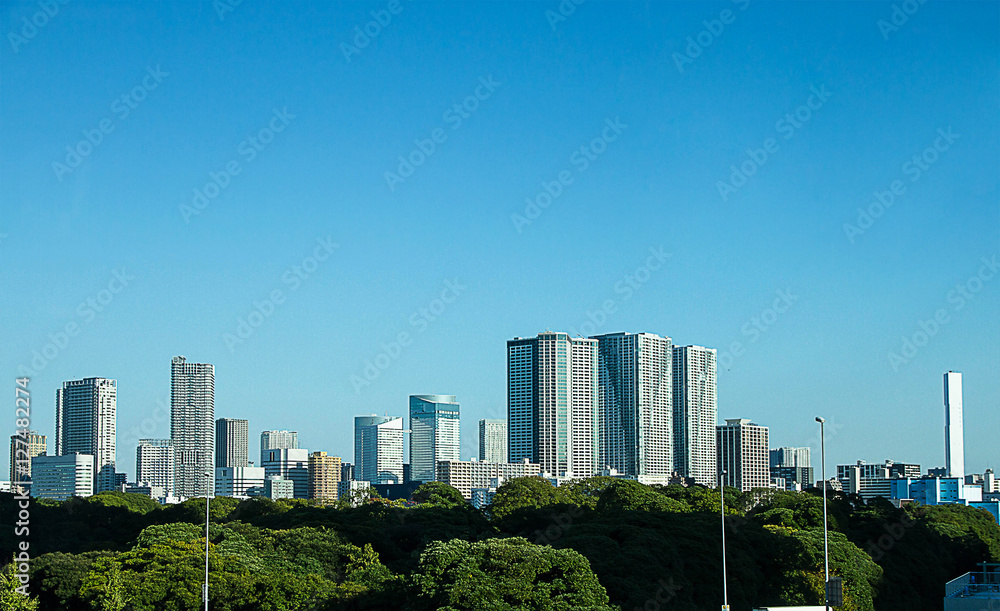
pixel 598 544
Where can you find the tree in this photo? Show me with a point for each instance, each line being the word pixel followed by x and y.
pixel 630 495
pixel 504 575
pixel 438 493
pixel 526 492
pixel 13 596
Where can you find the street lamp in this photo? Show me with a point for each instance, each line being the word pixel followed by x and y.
pixel 826 541
pixel 722 496
pixel 204 588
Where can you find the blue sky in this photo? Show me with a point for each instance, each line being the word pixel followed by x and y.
pixel 206 95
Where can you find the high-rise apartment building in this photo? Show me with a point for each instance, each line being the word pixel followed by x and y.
pixel 954 436
pixel 743 454
pixel 192 426
pixel 278 440
pixel 324 476
pixel 155 463
pixel 85 423
pixel 22 450
pixel 635 405
pixel 291 464
pixel 492 440
pixel 231 441
pixel 790 457
pixel 792 466
pixel 695 414
pixel 378 449
pixel 552 401
pixel 62 477
pixel 434 434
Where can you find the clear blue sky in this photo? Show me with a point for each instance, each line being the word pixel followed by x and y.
pixel 208 84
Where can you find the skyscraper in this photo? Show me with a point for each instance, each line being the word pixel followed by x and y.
pixel 292 464
pixel 278 440
pixel 22 450
pixel 789 457
pixel 636 405
pixel 743 455
pixel 695 414
pixel 793 466
pixel 324 476
pixel 378 449
pixel 492 440
pixel 954 436
pixel 155 463
pixel 231 440
pixel 85 423
pixel 552 403
pixel 192 426
pixel 434 434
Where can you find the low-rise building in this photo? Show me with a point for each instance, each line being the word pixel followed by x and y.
pixel 465 475
pixel 62 477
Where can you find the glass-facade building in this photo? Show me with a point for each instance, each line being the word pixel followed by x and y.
pixel 434 434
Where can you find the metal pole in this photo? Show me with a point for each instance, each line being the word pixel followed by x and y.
pixel 204 592
pixel 826 540
pixel 722 496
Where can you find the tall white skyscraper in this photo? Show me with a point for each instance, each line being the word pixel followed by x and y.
pixel 790 457
pixel 954 436
pixel 492 440
pixel 85 423
pixel 743 455
pixel 155 463
pixel 277 440
pixel 434 434
pixel 636 405
pixel 192 426
pixel 695 414
pixel 552 403
pixel 231 440
pixel 378 449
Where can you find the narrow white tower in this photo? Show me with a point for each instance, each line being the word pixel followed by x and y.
pixel 954 444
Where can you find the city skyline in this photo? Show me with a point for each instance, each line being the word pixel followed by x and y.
pixel 838 271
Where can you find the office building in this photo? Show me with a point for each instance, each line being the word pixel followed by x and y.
pixel 346 471
pixel 742 448
pixel 155 463
pixel 238 481
pixel 62 477
pixel 378 449
pixel 278 487
pixel 291 464
pixel 192 426
pixel 695 413
pixel 954 436
pixel 278 440
pixel 635 405
pixel 434 434
pixel 789 457
pixel 232 437
pixel 552 402
pixel 85 424
pixel 354 491
pixel 493 440
pixel 324 476
pixel 466 475
pixel 22 450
